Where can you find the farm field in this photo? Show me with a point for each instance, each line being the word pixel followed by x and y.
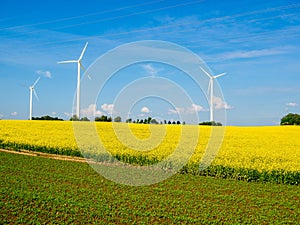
pixel 247 153
pixel 37 190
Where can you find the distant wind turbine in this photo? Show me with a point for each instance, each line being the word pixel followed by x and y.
pixel 79 65
pixel 31 88
pixel 211 90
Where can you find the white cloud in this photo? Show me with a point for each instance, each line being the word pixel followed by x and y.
pixel 108 108
pixel 53 113
pixel 292 104
pixel 197 108
pixel 190 110
pixel 220 104
pixel 1 115
pixel 145 110
pixel 150 69
pixel 67 114
pixel 91 111
pixel 45 73
pixel 14 113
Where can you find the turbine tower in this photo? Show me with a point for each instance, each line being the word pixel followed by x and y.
pixel 79 65
pixel 211 90
pixel 31 88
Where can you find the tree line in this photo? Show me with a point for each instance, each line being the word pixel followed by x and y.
pixel 148 120
pixel 289 119
pixel 46 118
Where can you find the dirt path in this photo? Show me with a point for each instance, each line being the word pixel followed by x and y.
pixel 46 155
pixel 68 158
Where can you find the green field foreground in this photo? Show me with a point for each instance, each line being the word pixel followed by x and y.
pixel 37 190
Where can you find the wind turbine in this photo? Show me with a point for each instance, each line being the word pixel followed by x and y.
pixel 31 88
pixel 79 65
pixel 211 89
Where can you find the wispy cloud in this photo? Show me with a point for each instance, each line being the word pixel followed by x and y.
pixel 189 110
pixel 14 113
pixel 196 108
pixel 263 90
pixel 67 114
pixel 149 68
pixel 250 54
pixel 44 73
pixel 291 104
pixel 220 104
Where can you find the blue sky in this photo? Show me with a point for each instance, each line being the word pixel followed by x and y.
pixel 255 42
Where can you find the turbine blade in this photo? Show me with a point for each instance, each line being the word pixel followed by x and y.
pixel 209 86
pixel 37 80
pixel 206 72
pixel 222 74
pixel 85 71
pixel 83 51
pixel 35 94
pixel 67 61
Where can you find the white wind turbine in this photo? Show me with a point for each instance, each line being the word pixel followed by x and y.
pixel 31 88
pixel 211 90
pixel 79 65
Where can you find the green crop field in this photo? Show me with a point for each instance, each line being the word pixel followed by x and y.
pixel 37 190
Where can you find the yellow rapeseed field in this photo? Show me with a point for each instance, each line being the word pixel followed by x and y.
pixel 260 148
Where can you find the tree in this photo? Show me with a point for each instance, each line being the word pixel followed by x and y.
pixel 84 119
pixel 210 123
pixel 169 122
pixel 154 121
pixel 290 119
pixel 149 120
pixel 178 122
pixel 118 119
pixel 129 120
pixel 74 118
pixel 46 118
pixel 103 119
